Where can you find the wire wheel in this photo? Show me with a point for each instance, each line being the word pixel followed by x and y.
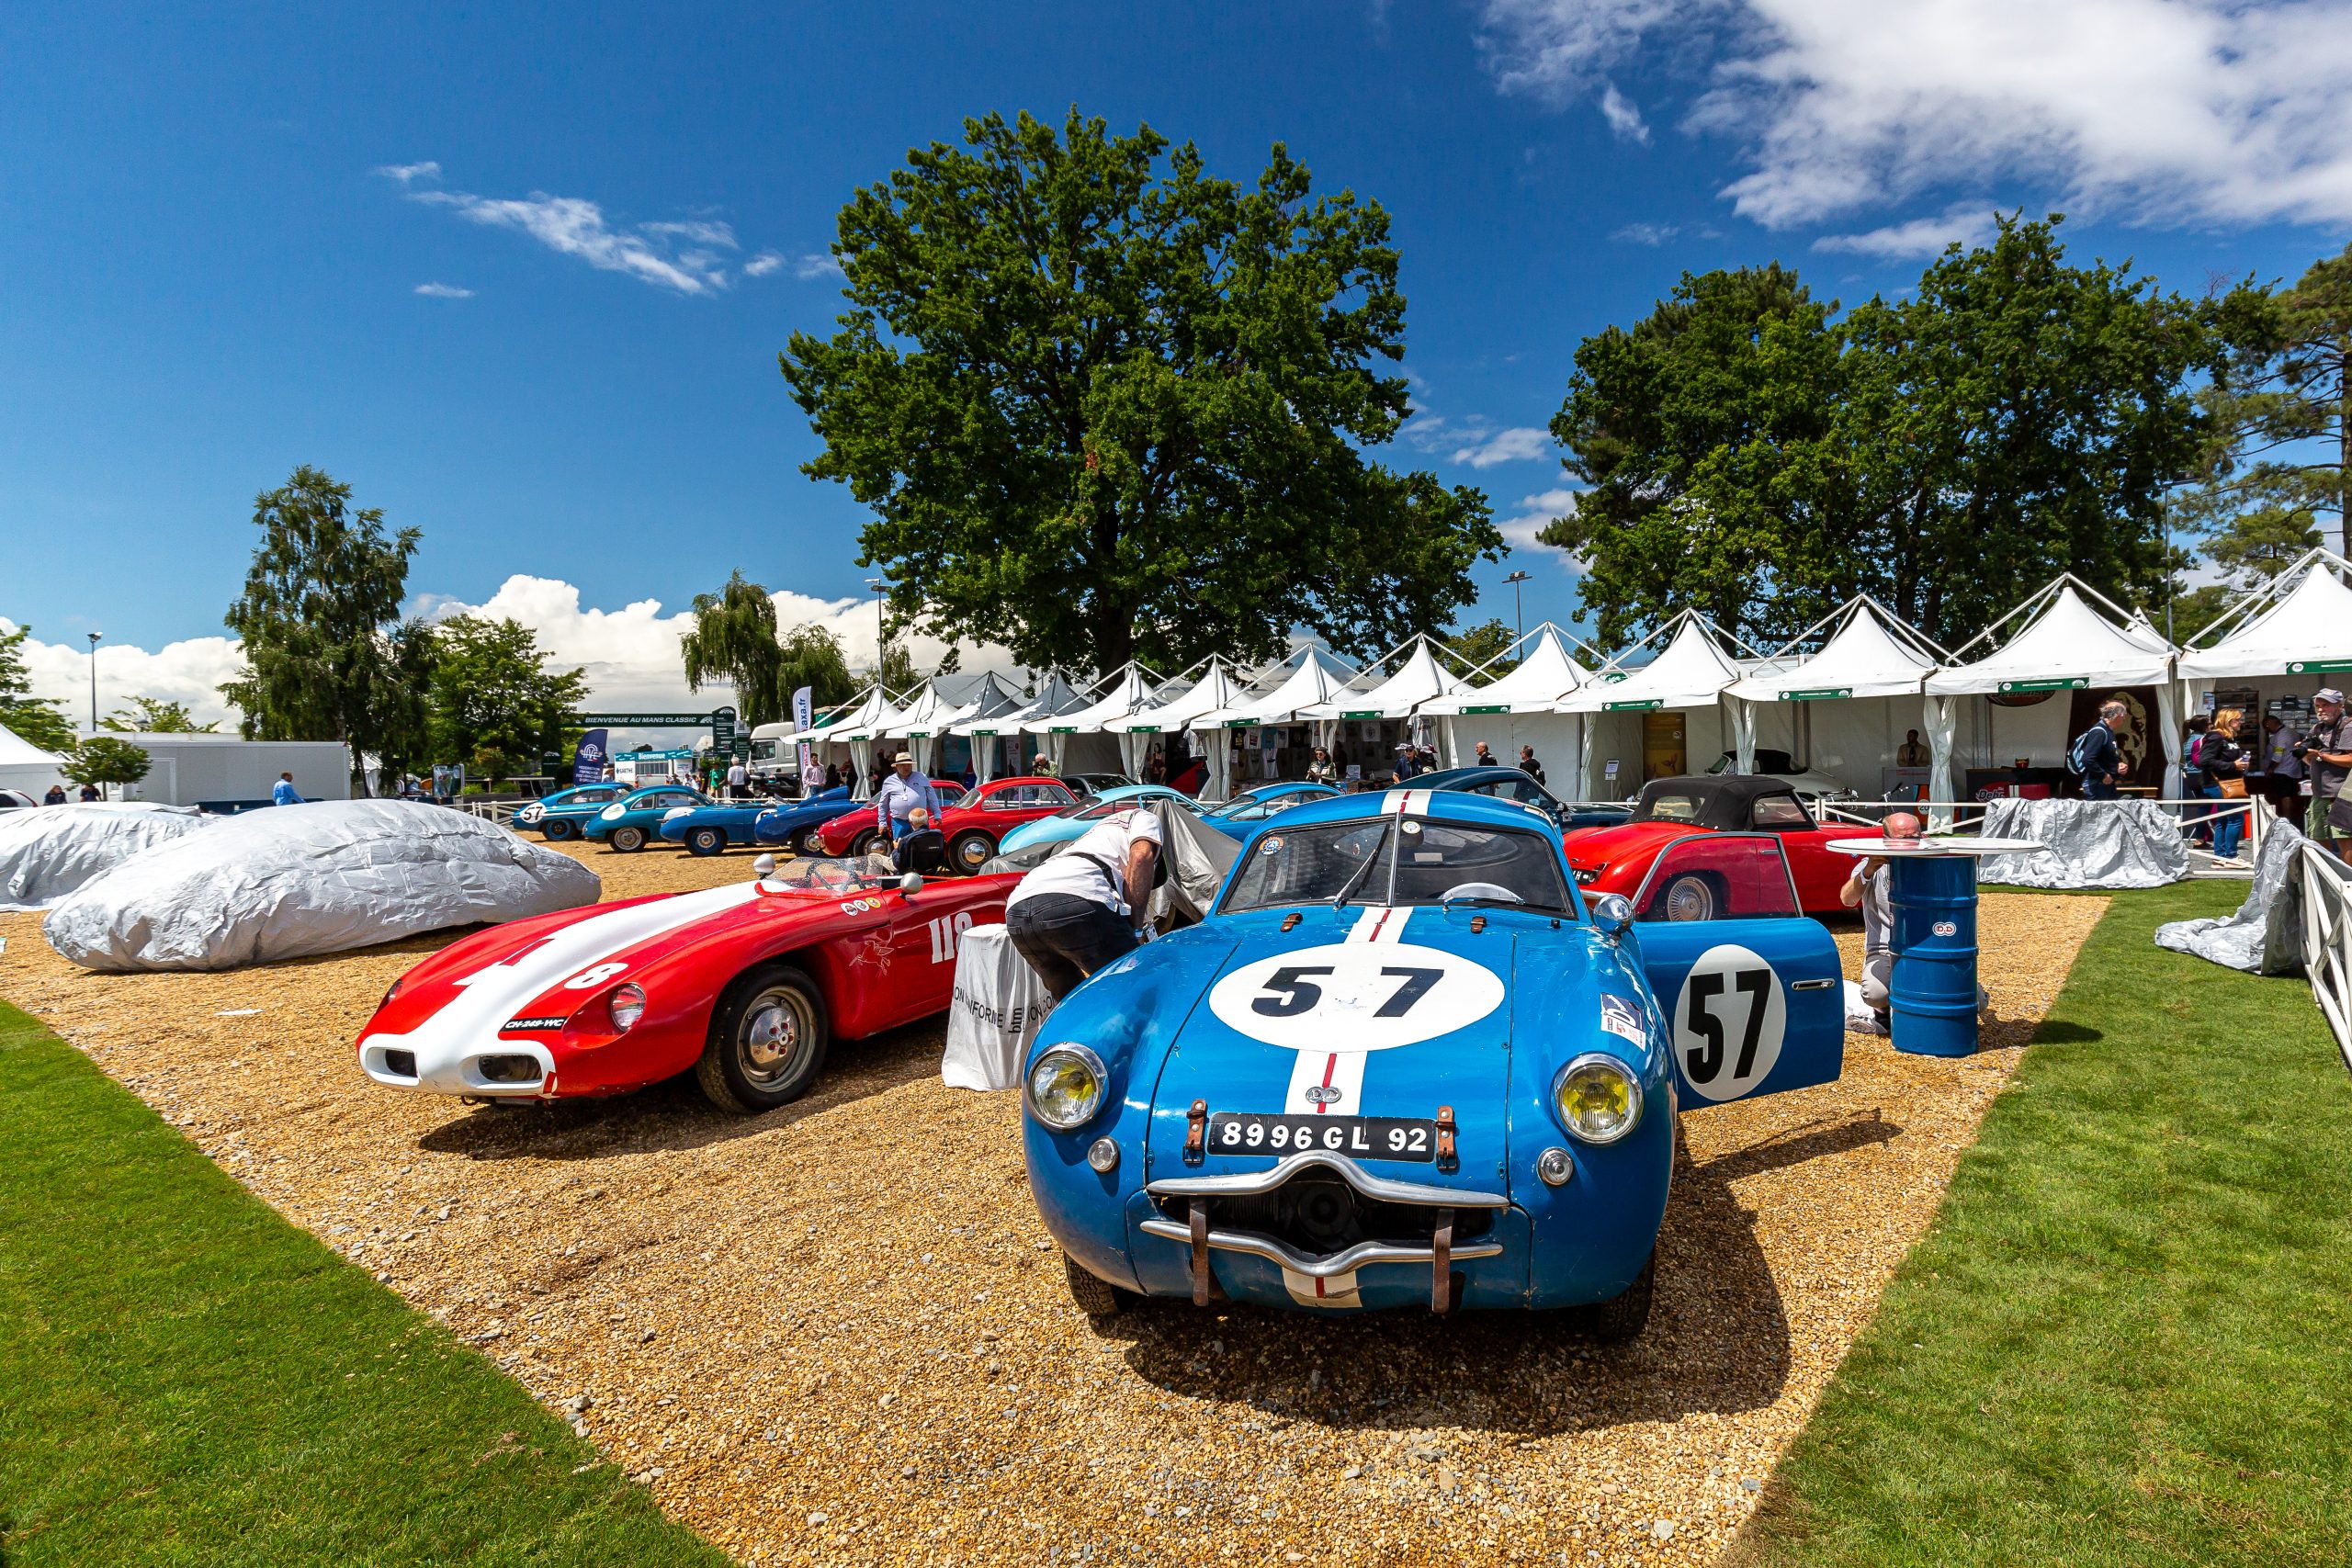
pixel 1690 897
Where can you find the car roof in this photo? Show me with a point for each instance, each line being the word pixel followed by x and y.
pixel 1725 800
pixel 1451 805
pixel 1470 778
pixel 666 784
pixel 1019 779
pixel 1129 791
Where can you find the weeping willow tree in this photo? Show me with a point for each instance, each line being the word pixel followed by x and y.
pixel 733 644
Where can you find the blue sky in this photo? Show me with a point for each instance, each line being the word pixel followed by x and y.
pixel 208 280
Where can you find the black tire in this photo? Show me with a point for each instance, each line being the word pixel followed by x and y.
pixel 971 851
pixel 1692 896
pixel 706 840
pixel 628 841
pixel 1625 1315
pixel 767 1041
pixel 557 830
pixel 863 844
pixel 799 844
pixel 1095 1298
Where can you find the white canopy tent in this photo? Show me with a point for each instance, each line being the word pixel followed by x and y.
pixel 1690 672
pixel 921 722
pixel 25 766
pixel 1319 676
pixel 1415 678
pixel 855 725
pixel 1871 654
pixel 1057 700
pixel 2066 644
pixel 2299 623
pixel 1526 698
pixel 991 699
pixel 1054 695
pixel 1217 687
pixel 1128 690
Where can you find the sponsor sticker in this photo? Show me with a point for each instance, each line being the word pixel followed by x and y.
pixel 1622 1018
pixel 1945 928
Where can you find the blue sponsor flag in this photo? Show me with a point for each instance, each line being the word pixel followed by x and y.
pixel 588 758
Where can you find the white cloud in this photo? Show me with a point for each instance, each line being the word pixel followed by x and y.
pixel 763 263
pixel 444 291
pixel 691 255
pixel 408 173
pixel 1518 444
pixel 186 671
pixel 1645 233
pixel 1965 223
pixel 818 263
pixel 2181 111
pixel 1624 120
pixel 1533 516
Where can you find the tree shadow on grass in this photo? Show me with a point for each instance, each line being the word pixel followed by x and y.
pixel 1717 1341
pixel 2064 1031
pixel 675 1115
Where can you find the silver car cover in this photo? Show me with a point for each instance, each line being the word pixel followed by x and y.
pixel 51 850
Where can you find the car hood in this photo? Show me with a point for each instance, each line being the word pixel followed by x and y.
pixel 1356 1012
pixel 1593 847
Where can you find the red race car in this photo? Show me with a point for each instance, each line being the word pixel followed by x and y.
pixel 972 826
pixel 1619 858
pixel 747 984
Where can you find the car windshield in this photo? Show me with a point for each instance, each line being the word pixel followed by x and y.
pixel 833 874
pixel 1399 861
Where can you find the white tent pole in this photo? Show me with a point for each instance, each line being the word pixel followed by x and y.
pixel 1941 717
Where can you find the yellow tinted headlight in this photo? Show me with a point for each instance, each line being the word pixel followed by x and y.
pixel 1598 1099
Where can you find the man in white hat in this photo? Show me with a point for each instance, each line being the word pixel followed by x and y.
pixel 2327 750
pixel 903 791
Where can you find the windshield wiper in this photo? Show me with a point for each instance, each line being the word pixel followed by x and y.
pixel 1339 899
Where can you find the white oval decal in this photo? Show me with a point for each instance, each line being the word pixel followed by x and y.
pixel 1356 995
pixel 1728 1022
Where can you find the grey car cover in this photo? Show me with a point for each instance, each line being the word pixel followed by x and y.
pixel 2087 843
pixel 2266 935
pixel 320 877
pixel 51 850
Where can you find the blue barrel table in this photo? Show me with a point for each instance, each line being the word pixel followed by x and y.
pixel 1931 994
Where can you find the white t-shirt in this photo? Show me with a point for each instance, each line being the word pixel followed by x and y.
pixel 1084 868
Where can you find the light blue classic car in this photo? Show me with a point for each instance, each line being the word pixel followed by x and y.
pixel 1401 1064
pixel 1064 826
pixel 632 822
pixel 1235 817
pixel 559 816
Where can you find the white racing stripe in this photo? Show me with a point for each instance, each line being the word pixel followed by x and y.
pixel 1339 1290
pixel 1319 1073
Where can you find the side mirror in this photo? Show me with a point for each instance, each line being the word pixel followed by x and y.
pixel 1611 914
pixel 764 867
pixel 911 883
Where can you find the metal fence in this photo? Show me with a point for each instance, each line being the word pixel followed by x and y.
pixel 2326 884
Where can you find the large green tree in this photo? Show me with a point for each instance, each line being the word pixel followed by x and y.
pixel 492 703
pixel 1103 403
pixel 812 657
pixel 327 656
pixel 40 720
pixel 103 759
pixel 733 643
pixel 1755 455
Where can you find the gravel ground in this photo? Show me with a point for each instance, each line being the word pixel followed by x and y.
pixel 836 1334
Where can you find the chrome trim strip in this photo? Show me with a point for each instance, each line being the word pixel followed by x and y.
pixel 1249 1183
pixel 1812 985
pixel 1347 1262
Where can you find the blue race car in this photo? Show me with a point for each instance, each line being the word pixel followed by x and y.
pixel 1064 826
pixel 791 823
pixel 1401 1065
pixel 1253 806
pixel 559 816
pixel 708 830
pixel 1512 783
pixel 630 823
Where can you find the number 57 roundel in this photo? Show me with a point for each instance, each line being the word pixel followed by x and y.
pixel 1758 1014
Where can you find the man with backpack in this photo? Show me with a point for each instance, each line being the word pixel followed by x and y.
pixel 2095 759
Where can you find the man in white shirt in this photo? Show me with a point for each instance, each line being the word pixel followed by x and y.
pixel 1866 887
pixel 738 781
pixel 1088 905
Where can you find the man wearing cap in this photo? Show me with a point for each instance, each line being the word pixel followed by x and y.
pixel 900 793
pixel 1866 889
pixel 2327 751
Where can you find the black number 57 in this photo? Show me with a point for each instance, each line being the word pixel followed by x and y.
pixel 1703 1062
pixel 1298 993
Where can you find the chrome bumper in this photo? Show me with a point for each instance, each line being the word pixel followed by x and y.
pixel 1249 1184
pixel 1335 1264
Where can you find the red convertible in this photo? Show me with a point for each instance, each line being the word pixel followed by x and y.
pixel 1619 859
pixel 745 984
pixel 972 826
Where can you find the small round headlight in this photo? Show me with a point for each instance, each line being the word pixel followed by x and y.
pixel 1066 1087
pixel 627 1007
pixel 1103 1157
pixel 1597 1098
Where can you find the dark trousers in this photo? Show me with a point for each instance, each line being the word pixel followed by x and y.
pixel 2099 789
pixel 1065 938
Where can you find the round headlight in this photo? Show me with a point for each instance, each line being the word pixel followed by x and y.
pixel 627 1007
pixel 612 810
pixel 1066 1087
pixel 1597 1098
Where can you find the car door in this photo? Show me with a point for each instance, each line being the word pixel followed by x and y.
pixel 1751 990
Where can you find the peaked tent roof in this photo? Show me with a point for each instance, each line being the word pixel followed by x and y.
pixel 1131 691
pixel 15 751
pixel 987 701
pixel 1690 673
pixel 1319 678
pixel 1416 681
pixel 1548 672
pixel 926 713
pixel 2306 630
pixel 2068 645
pixel 1864 659
pixel 1216 688
pixel 1054 695
pixel 891 720
pixel 861 709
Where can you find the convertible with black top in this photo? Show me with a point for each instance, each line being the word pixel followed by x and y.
pixel 1403 1064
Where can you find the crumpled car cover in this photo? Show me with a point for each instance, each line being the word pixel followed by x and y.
pixel 993 1018
pixel 50 850
pixel 2088 843
pixel 2266 935
pixel 1198 859
pixel 320 877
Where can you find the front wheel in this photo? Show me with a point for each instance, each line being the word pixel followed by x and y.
pixel 862 845
pixel 802 843
pixel 1626 1314
pixel 629 841
pixel 706 840
pixel 556 829
pixel 970 852
pixel 1095 1298
pixel 766 1043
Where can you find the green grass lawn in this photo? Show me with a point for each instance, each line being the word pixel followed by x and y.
pixel 2128 1336
pixel 184 1377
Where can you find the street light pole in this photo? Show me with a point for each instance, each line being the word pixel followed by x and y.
pixel 93 681
pixel 1518 614
pixel 881 637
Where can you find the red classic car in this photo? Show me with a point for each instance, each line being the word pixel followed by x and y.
pixel 745 984
pixel 973 826
pixel 1619 859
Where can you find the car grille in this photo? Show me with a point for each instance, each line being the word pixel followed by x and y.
pixel 1318 1212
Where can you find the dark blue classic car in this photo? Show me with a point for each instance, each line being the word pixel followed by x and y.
pixel 791 823
pixel 1402 1065
pixel 709 830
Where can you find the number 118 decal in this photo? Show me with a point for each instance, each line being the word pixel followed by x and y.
pixel 1728 1022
